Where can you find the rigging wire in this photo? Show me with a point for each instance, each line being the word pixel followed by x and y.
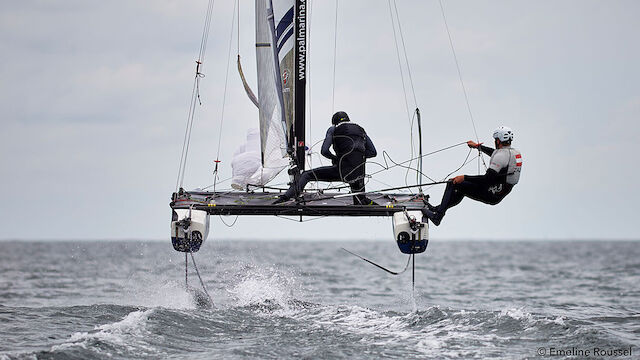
pixel 395 17
pixel 404 90
pixel 335 47
pixel 404 48
pixel 195 95
pixel 308 83
pixel 464 88
pixel 297 220
pixel 224 96
pixel 187 137
pixel 406 103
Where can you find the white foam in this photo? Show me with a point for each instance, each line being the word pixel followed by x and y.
pixel 155 292
pixel 119 333
pixel 264 286
pixel 559 320
pixel 379 328
pixel 516 313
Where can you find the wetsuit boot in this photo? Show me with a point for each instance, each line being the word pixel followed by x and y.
pixel 434 216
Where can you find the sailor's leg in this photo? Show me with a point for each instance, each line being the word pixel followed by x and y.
pixel 356 187
pixel 295 189
pixel 324 173
pixel 452 196
pixel 491 195
pixel 472 189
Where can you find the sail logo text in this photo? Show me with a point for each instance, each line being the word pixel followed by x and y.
pixel 301 39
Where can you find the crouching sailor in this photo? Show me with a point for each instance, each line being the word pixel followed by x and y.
pixel 352 147
pixel 501 176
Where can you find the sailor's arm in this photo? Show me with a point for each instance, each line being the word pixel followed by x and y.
pixel 369 149
pixel 485 149
pixel 326 144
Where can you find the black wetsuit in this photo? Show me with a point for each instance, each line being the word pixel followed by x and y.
pixel 489 188
pixel 352 147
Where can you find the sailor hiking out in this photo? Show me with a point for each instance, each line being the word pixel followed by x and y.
pixel 352 147
pixel 501 176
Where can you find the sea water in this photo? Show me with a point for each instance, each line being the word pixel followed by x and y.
pixel 311 300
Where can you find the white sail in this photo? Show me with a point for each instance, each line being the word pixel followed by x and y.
pixel 260 160
pixel 284 38
pixel 246 165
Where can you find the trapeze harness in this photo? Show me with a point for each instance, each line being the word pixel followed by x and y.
pixel 352 147
pixel 501 176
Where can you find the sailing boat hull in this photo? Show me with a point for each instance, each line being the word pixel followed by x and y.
pixel 189 229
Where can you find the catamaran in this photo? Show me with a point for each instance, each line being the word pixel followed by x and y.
pixel 281 42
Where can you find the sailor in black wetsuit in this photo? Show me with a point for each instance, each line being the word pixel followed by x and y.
pixel 501 176
pixel 352 147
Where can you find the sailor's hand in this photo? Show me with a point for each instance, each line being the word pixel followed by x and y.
pixel 472 144
pixel 457 180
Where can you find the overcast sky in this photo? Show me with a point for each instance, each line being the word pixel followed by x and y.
pixel 94 97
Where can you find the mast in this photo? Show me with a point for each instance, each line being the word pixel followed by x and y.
pixel 300 81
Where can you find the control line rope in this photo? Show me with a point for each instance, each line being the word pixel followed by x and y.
pixel 385 168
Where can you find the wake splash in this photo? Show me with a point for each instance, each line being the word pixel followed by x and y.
pixel 120 338
pixel 433 331
pixel 268 290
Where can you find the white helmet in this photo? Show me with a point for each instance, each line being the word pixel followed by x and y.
pixel 503 134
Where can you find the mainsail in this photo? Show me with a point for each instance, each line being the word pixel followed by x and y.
pixel 275 60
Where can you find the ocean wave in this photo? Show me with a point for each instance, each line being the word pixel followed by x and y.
pixel 119 337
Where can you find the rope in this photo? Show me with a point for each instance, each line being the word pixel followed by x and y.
pixel 226 80
pixel 309 88
pixel 187 137
pixel 404 91
pixel 372 192
pixel 195 95
pixel 406 103
pixel 385 168
pixel 404 49
pixel 335 47
pixel 233 223
pixel 464 88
